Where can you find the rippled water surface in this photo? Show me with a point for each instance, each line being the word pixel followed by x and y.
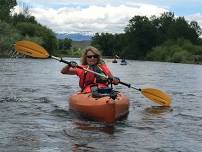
pixel 34 113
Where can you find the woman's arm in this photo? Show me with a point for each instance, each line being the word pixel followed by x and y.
pixel 68 70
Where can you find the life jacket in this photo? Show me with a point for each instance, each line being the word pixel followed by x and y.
pixel 88 79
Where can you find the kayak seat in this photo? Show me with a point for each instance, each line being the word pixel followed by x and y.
pixel 102 92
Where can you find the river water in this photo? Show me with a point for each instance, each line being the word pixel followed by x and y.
pixel 34 113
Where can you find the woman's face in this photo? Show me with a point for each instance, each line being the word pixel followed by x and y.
pixel 91 58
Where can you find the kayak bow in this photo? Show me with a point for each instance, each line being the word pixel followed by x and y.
pixel 104 109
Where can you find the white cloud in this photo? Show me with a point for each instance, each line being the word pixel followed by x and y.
pixel 94 18
pixel 195 17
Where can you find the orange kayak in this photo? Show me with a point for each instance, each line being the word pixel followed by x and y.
pixel 103 109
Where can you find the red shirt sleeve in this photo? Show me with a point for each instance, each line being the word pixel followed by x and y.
pixel 79 71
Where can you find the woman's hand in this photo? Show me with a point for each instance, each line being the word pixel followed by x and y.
pixel 70 68
pixel 115 80
pixel 73 64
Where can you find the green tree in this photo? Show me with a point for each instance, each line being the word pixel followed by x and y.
pixel 5 9
pixel 194 25
pixel 27 28
pixel 23 16
pixel 141 37
pixel 67 43
pixel 17 18
pixel 37 30
pixel 8 36
pixel 49 38
pixel 105 42
pixel 60 44
pixel 119 44
pixel 64 44
pixel 181 29
pixel 161 25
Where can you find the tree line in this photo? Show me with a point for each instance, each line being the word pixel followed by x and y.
pixel 164 38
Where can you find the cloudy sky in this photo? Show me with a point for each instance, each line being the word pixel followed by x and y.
pixel 65 16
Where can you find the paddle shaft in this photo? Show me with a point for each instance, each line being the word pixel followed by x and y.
pixel 34 50
pixel 129 85
pixel 153 94
pixel 69 63
pixel 64 61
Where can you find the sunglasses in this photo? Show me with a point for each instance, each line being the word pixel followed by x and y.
pixel 92 56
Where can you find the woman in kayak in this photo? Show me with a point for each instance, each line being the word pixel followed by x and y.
pixel 91 59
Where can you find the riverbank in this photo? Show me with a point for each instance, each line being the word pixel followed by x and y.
pixel 107 57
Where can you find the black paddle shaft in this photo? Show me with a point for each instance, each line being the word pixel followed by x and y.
pixel 129 86
pixel 69 63
pixel 123 83
pixel 126 84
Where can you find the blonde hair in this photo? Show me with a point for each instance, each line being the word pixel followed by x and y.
pixel 93 50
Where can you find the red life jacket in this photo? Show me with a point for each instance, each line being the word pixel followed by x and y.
pixel 87 79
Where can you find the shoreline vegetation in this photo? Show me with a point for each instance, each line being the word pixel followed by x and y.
pixel 166 38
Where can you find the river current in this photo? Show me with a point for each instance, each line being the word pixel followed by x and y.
pixel 35 116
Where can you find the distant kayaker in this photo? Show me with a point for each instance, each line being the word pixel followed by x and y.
pixel 123 59
pixel 92 60
pixel 114 61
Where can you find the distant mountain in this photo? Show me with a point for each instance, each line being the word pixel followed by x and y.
pixel 83 36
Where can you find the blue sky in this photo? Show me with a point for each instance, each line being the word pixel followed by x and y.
pixel 105 15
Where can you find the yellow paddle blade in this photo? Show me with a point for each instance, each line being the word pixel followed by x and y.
pixel 31 49
pixel 157 96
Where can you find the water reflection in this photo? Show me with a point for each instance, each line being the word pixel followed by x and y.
pixel 83 147
pixel 87 135
pixel 108 129
pixel 158 110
